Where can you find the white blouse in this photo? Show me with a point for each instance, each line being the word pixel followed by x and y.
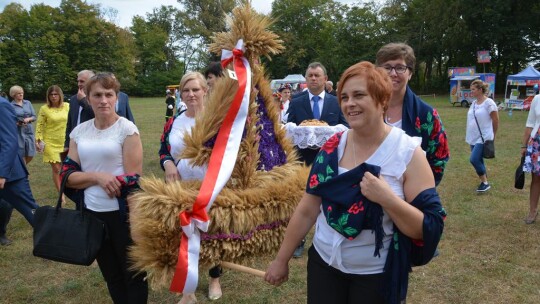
pixel 101 151
pixel 356 256
pixel 533 119
pixel 181 127
pixel 482 113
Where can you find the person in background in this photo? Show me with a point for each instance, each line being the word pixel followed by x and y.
pixel 371 210
pixel 169 101
pixel 79 110
pixel 408 112
pixel 213 72
pixel 314 103
pixel 14 186
pixel 482 124
pixel 194 89
pixel 106 156
pixel 50 130
pixel 285 92
pixel 25 116
pixel 531 150
pixel 122 105
pixel 329 88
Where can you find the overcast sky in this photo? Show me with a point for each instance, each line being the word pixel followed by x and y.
pixel 129 8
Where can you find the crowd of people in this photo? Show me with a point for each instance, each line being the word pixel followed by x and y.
pixel 376 211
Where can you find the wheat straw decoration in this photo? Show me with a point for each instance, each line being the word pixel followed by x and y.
pixel 249 216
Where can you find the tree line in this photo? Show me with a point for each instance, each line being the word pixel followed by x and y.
pixel 49 45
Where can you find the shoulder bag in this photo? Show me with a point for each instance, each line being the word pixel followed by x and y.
pixel 489 145
pixel 67 235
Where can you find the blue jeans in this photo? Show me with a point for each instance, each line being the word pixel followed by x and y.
pixel 477 159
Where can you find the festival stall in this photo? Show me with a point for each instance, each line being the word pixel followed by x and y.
pixel 460 83
pixel 253 183
pixel 519 90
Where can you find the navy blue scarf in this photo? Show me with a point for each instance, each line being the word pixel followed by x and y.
pixel 346 210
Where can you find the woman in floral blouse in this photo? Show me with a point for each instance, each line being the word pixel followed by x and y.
pixel 372 197
pixel 410 113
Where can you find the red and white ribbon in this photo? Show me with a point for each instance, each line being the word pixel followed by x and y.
pixel 220 167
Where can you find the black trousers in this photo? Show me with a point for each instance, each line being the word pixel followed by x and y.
pixel 125 286
pixel 326 284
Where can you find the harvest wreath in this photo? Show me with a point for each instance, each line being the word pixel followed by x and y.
pixel 249 215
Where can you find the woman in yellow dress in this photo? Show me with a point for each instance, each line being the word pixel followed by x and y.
pixel 51 129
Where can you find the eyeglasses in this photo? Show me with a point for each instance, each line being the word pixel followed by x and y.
pixel 400 69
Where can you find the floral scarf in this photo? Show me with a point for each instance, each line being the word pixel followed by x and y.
pixel 346 210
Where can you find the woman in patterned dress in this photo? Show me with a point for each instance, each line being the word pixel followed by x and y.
pixel 50 130
pixel 531 150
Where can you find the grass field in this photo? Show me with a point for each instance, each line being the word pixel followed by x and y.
pixel 488 255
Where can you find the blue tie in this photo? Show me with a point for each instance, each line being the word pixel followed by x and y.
pixel 316 111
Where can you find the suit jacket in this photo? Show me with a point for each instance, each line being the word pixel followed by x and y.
pixel 300 110
pixel 12 166
pixel 87 113
pixel 123 108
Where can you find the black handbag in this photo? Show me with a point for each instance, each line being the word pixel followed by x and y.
pixel 67 235
pixel 489 145
pixel 519 180
pixel 489 149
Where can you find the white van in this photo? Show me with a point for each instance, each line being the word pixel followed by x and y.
pixel 297 81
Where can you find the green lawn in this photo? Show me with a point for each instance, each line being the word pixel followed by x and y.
pixel 488 255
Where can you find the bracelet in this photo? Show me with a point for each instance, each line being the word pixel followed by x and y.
pixel 165 161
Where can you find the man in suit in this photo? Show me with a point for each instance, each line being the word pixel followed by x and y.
pixel 315 98
pixel 80 111
pixel 314 103
pixel 14 186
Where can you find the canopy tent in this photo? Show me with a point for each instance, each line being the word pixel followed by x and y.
pixel 519 88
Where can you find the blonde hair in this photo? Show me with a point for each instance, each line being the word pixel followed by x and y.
pixel 194 76
pixel 480 85
pixel 15 90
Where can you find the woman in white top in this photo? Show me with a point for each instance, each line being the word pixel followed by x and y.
pixel 193 89
pixel 285 91
pixel 531 150
pixel 370 193
pixel 107 154
pixel 482 124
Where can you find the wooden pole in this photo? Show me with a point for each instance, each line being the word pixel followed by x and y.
pixel 244 269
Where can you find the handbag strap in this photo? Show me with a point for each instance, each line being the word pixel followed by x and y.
pixel 62 186
pixel 478 125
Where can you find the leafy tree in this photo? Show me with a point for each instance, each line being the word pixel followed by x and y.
pixel 158 46
pixel 15 58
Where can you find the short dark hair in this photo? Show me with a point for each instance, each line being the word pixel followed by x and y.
pixel 393 51
pixel 214 68
pixel 315 65
pixel 107 80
